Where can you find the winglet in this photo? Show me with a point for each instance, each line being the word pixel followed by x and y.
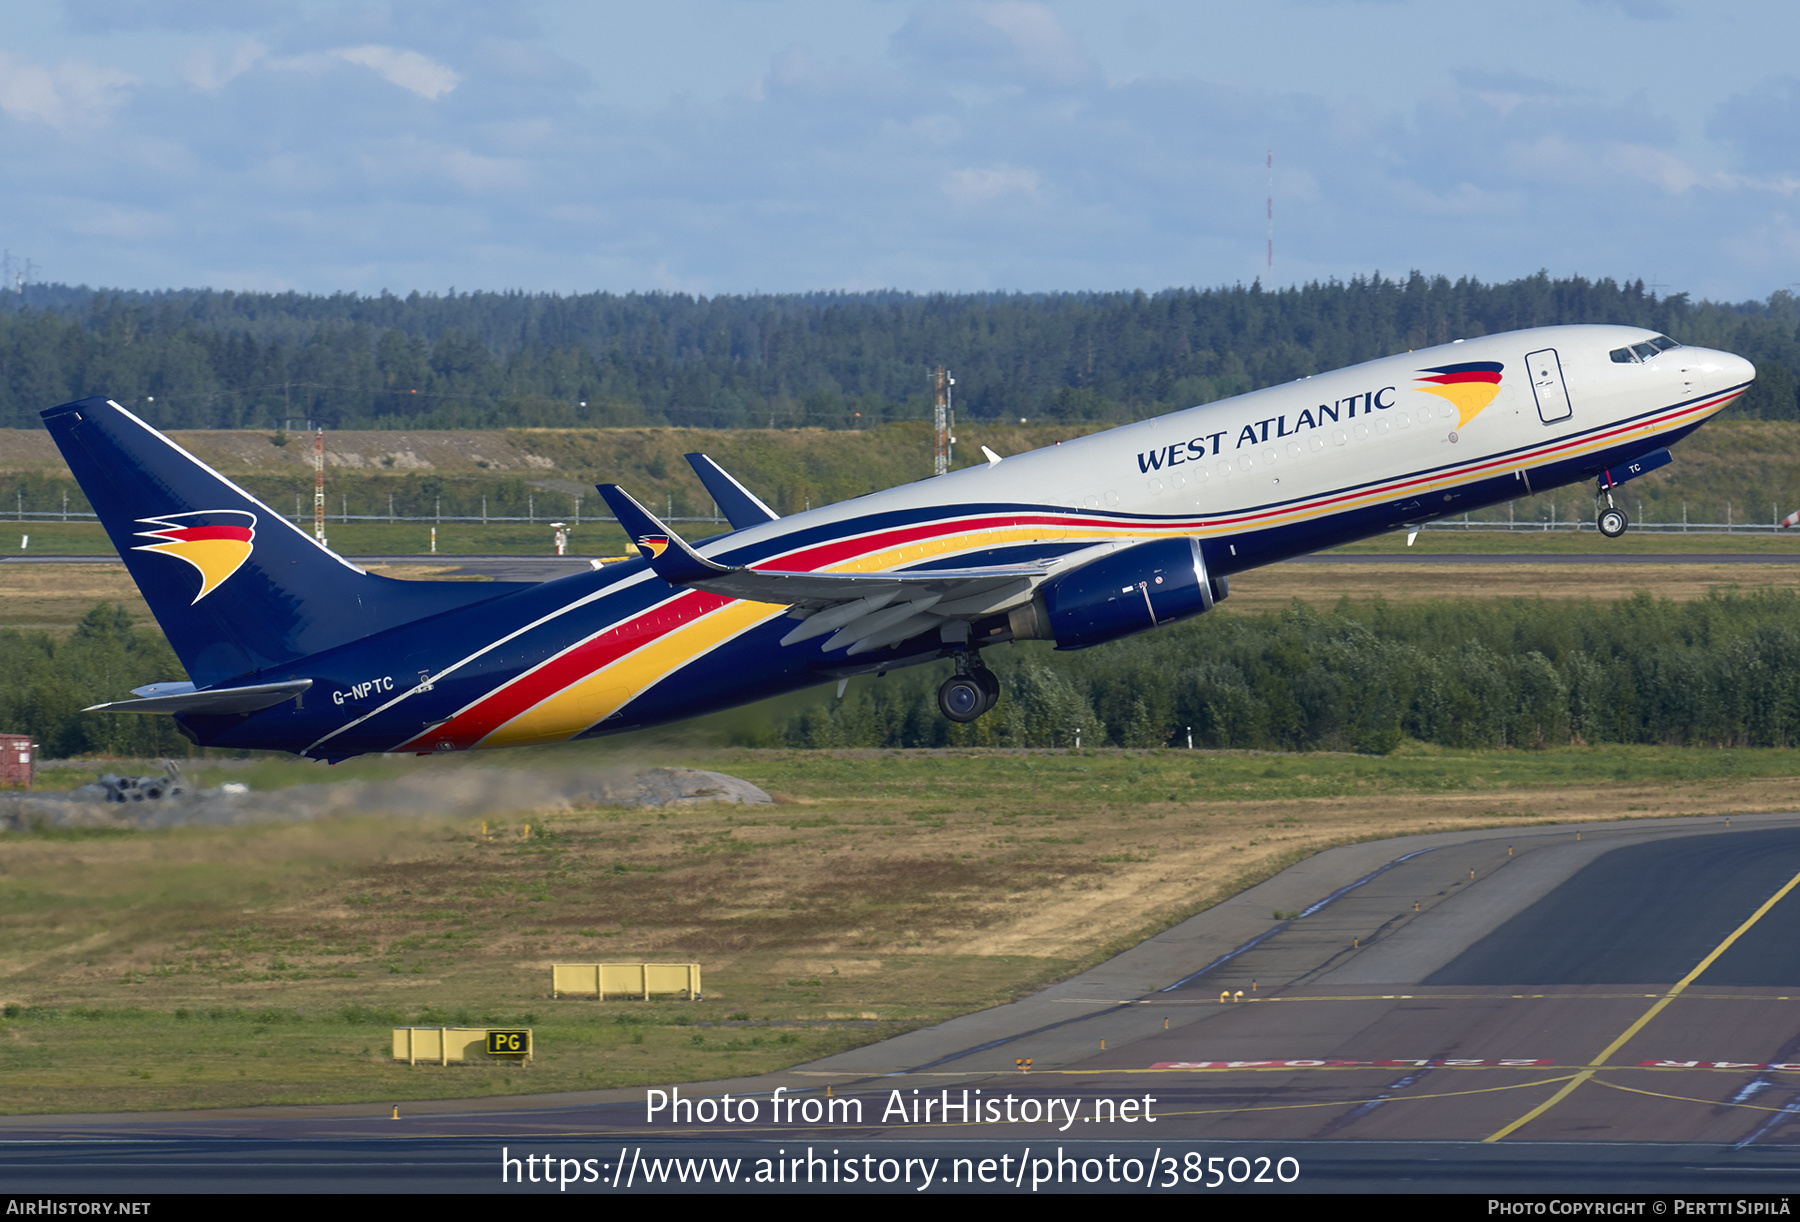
pixel 742 507
pixel 669 555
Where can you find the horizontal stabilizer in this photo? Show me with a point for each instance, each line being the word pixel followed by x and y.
pixel 740 506
pixel 219 700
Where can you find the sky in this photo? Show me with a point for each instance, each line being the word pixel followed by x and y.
pixel 737 146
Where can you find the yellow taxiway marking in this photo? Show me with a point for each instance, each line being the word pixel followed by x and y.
pixel 1655 1094
pixel 1661 1004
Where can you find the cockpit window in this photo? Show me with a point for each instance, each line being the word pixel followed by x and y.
pixel 1638 353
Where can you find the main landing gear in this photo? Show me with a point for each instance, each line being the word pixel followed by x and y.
pixel 971 691
pixel 1609 518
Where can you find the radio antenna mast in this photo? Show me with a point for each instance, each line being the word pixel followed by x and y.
pixel 943 419
pixel 319 485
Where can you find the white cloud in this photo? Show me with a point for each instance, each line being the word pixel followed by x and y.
pixel 978 186
pixel 926 131
pixel 1669 172
pixel 938 144
pixel 70 94
pixel 1038 39
pixel 1641 10
pixel 408 69
pixel 997 41
pixel 121 221
pixel 207 69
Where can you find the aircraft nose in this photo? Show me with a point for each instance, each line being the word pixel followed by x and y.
pixel 1735 370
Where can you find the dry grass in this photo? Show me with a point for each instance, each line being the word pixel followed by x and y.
pixel 54 597
pixel 1273 588
pixel 214 966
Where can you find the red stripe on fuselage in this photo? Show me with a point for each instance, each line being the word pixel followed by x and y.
pixel 534 686
pixel 837 551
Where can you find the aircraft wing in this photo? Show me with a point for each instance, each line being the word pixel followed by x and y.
pixel 864 611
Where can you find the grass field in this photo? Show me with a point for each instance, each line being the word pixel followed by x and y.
pixel 55 597
pixel 1322 585
pixel 230 966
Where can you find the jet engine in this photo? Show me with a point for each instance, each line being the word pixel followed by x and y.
pixel 1143 586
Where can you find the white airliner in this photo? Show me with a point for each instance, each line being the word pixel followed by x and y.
pixel 289 647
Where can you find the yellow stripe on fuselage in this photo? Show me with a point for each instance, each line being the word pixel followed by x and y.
pixel 604 692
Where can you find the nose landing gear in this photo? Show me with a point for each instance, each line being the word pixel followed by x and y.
pixel 1610 519
pixel 970 692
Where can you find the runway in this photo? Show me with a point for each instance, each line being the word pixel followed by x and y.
pixel 500 568
pixel 1603 1008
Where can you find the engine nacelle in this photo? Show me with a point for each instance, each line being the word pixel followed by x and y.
pixel 1139 587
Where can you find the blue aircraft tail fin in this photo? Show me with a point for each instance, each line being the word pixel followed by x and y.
pixel 236 587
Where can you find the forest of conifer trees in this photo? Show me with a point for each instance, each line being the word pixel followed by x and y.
pixel 209 359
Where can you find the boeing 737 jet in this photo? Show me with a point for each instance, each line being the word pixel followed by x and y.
pixel 290 647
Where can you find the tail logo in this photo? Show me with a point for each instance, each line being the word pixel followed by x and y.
pixel 1469 386
pixel 215 541
pixel 652 546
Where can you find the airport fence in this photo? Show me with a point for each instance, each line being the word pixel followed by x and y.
pixel 27 517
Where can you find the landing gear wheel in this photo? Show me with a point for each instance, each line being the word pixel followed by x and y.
pixel 990 685
pixel 962 698
pixel 1613 522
